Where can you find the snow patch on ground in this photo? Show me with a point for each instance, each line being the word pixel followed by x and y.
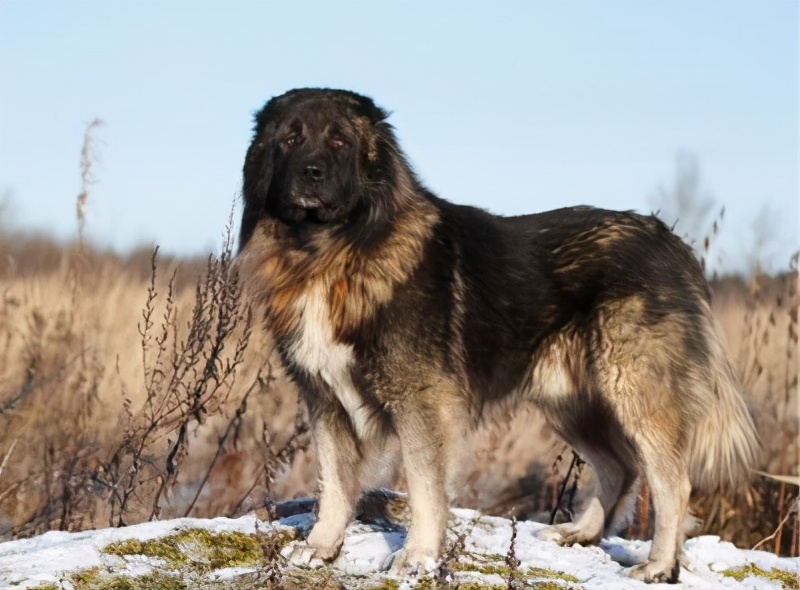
pixel 52 557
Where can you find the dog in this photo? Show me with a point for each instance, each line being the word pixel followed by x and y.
pixel 404 318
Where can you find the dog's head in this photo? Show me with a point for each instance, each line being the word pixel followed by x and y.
pixel 314 155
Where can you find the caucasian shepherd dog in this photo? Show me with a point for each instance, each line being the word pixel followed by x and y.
pixel 404 318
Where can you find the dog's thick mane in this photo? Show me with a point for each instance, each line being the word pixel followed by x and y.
pixel 357 263
pixel 356 280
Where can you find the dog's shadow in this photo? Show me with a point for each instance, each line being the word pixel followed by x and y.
pixel 377 511
pixel 387 512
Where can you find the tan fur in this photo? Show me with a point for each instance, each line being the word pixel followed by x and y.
pixel 391 341
pixel 687 421
pixel 352 285
pixel 721 454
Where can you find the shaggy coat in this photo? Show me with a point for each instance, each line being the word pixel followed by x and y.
pixel 403 318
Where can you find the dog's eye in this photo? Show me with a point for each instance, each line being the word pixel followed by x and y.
pixel 337 143
pixel 288 142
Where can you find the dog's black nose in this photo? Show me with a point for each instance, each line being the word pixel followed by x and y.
pixel 313 172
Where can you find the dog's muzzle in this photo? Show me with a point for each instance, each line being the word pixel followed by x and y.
pixel 308 203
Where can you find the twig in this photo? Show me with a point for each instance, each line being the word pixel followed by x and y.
pixel 11 489
pixel 88 159
pixel 233 422
pixel 442 571
pixel 511 559
pixel 793 508
pixel 7 455
pixel 236 510
pixel 563 490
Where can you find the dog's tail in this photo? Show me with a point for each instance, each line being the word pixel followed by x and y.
pixel 724 447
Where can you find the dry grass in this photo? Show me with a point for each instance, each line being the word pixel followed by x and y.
pixel 134 388
pixel 124 398
pixel 760 321
pixel 131 390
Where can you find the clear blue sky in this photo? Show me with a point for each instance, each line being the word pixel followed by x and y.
pixel 512 106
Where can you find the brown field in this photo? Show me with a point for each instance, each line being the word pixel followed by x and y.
pixel 136 388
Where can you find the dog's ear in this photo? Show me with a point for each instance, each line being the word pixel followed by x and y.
pixel 258 168
pixel 256 178
pixel 374 114
pixel 375 131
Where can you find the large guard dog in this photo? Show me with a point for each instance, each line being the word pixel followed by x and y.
pixel 403 318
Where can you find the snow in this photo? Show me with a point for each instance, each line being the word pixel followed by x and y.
pixel 51 557
pixel 42 559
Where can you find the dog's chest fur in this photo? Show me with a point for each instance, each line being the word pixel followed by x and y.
pixel 316 350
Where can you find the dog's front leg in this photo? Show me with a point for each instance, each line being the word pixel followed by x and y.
pixel 338 459
pixel 424 445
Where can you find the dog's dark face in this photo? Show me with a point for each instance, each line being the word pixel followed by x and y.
pixel 313 156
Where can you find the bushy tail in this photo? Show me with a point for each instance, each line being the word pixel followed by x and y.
pixel 724 447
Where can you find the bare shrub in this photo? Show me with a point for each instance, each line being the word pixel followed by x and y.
pixel 109 418
pixel 188 374
pixel 95 432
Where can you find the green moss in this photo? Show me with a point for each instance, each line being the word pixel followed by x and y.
pixel 98 579
pixel 504 571
pixel 788 580
pixel 551 586
pixel 152 581
pixel 430 583
pixel 316 578
pixel 230 549
pixel 541 572
pixel 165 548
pixel 45 586
pixel 89 578
pixel 482 568
pixel 205 550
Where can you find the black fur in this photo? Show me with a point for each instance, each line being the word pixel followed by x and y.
pixel 403 315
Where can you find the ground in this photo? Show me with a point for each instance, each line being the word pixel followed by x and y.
pixel 247 553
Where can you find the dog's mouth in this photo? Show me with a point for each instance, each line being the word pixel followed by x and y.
pixel 313 207
pixel 308 203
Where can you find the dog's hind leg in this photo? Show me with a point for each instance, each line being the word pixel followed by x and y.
pixel 613 476
pixel 623 510
pixel 670 487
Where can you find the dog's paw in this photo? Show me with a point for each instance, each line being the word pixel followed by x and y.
pixel 325 541
pixel 312 552
pixel 407 562
pixel 655 573
pixel 569 534
pixel 685 562
pixel 301 553
pixel 550 534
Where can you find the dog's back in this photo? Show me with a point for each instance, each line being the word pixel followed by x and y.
pixel 602 319
pixel 630 368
